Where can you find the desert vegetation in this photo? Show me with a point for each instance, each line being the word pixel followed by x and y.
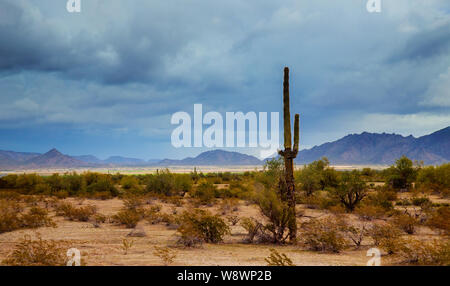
pixel 229 218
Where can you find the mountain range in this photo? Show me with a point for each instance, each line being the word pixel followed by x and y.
pixel 355 149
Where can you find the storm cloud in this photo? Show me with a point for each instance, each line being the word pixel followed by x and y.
pixel 113 74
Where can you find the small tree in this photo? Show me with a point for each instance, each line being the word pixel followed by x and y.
pixel 351 190
pixel 402 174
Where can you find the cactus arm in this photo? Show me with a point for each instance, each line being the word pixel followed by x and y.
pixel 286 111
pixel 296 133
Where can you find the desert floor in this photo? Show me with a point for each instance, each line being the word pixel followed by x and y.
pixel 103 245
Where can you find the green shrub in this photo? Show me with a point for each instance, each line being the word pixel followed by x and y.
pixel 205 192
pixel 201 226
pixel 127 217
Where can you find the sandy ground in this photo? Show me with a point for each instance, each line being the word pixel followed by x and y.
pixel 102 246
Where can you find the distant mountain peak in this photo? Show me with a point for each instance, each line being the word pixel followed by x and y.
pixel 383 149
pixel 53 151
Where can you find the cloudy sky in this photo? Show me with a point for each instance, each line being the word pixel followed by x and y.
pixel 107 80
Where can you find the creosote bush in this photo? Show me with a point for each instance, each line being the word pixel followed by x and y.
pixel 405 222
pixel 326 234
pixel 440 219
pixel 418 252
pixel 39 252
pixel 199 226
pixel 13 217
pixel 127 217
pixel 386 236
pixel 69 211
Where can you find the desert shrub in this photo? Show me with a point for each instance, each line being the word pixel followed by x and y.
pixel 433 178
pixel 69 211
pixel 201 226
pixel 9 216
pixel 28 252
pixel 205 192
pixel 104 184
pixel 406 223
pixel 36 217
pixel 253 228
pixel 130 184
pixel 440 219
pixel 277 212
pixel 317 175
pixel 166 254
pixel 127 217
pixel 10 195
pixel 61 194
pixel 370 212
pixel 278 259
pixel 12 217
pixel 420 201
pixel 174 200
pixel 356 234
pixel 233 219
pixel 132 201
pixel 404 203
pixel 324 235
pixel 385 236
pixel 350 190
pixel 402 174
pixel 229 205
pixel 425 253
pixel 382 198
pixel 101 196
pixel 169 184
pixel 98 219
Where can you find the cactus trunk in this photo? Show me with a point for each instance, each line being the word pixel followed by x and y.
pixel 289 154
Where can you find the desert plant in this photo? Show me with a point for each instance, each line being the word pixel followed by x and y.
pixel 386 236
pixel 356 234
pixel 370 212
pixel 36 217
pixel 233 219
pixel 39 252
pixel 402 174
pixel 253 228
pixel 418 252
pixel 351 190
pixel 278 259
pixel 405 222
pixel 166 254
pixel 132 201
pixel 129 218
pixel 287 184
pixel 326 234
pixel 201 226
pixel 229 205
pixel 127 244
pixel 440 219
pixel 278 213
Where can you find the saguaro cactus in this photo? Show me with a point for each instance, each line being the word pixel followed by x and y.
pixel 289 154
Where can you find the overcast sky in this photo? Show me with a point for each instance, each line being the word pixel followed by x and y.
pixel 107 80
